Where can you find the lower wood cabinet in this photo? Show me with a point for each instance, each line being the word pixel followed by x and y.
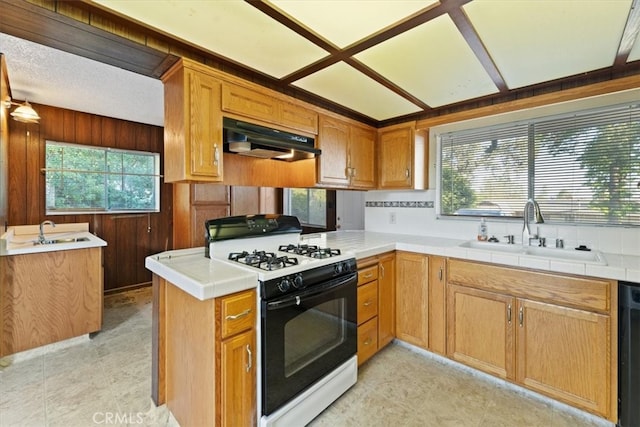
pixel 376 307
pixel 206 357
pixel 412 298
pixel 551 333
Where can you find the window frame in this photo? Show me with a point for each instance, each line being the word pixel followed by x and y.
pixel 532 115
pixel 330 209
pixel 105 150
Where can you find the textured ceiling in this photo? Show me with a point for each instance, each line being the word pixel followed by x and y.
pixel 382 60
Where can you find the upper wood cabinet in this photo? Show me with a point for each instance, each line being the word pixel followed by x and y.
pixel 402 158
pixel 254 103
pixel 348 154
pixel 193 125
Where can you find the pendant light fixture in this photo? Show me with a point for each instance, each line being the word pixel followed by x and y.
pixel 24 113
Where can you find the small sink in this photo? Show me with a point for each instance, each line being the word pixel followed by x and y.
pixel 62 240
pixel 589 257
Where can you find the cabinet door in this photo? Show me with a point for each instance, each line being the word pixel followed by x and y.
pixel 386 301
pixel 480 330
pixel 437 304
pixel 333 139
pixel 249 103
pixel 576 350
pixel 396 158
pixel 412 298
pixel 205 137
pixel 238 381
pixel 362 157
pixel 367 340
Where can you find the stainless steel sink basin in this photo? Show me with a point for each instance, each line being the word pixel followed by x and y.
pixel 62 240
pixel 572 255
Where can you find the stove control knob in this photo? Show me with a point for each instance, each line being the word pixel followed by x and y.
pixel 298 282
pixel 284 285
pixel 346 267
pixel 337 268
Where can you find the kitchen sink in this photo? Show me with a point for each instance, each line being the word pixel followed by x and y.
pixel 572 255
pixel 62 240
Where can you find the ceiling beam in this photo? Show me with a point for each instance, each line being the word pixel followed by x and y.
pixel 461 20
pixel 629 35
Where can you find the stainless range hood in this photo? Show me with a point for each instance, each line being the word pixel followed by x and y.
pixel 248 139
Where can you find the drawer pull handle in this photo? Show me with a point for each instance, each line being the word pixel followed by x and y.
pixel 521 316
pixel 368 275
pixel 239 315
pixel 382 270
pixel 249 358
pixel 509 313
pixel 216 155
pixel 367 303
pixel 440 274
pixel 368 341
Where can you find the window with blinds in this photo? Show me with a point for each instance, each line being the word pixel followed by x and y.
pixel 580 168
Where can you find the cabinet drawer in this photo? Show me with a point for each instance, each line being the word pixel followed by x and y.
pixel 580 292
pixel 367 301
pixel 237 313
pixel 368 274
pixel 367 340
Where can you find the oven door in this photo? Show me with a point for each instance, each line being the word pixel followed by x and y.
pixel 305 336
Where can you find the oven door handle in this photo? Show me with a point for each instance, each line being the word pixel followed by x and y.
pixel 297 298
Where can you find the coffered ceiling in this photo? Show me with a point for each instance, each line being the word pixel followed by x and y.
pixel 385 60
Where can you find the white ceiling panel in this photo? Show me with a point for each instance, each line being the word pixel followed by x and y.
pixel 348 21
pixel 432 62
pixel 230 28
pixel 343 84
pixel 533 41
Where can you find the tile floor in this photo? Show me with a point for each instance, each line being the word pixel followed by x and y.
pixel 106 381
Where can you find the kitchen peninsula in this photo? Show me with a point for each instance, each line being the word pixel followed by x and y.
pixel 583 301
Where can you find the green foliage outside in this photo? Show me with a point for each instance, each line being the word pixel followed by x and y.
pixel 309 205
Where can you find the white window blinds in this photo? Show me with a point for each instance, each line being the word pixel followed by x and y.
pixel 581 168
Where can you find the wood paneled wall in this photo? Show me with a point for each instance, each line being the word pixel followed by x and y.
pixel 130 237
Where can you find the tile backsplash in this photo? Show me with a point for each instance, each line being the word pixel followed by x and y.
pixel 412 212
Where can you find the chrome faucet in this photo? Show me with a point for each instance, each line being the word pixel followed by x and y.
pixel 527 237
pixel 41 238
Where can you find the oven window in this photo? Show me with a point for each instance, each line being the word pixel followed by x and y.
pixel 313 333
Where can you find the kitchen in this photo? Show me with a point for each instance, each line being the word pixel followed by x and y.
pixel 396 212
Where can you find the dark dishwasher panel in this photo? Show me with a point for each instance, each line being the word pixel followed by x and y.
pixel 629 354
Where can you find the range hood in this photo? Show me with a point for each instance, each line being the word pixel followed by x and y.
pixel 248 139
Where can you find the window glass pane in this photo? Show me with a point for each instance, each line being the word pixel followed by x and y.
pixel 96 179
pixel 580 168
pixel 309 205
pixel 484 173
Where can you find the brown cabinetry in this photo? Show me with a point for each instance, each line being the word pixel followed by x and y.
pixel 207 360
pixel 402 158
pixel 348 154
pixel 375 305
pixel 412 298
pixel 193 205
pixel 437 304
pixel 554 334
pixel 193 124
pixel 255 103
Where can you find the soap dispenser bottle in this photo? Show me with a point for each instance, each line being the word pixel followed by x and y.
pixel 483 231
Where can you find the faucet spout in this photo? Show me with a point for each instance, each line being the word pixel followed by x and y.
pixel 41 238
pixel 537 216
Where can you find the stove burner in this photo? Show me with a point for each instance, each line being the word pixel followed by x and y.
pixel 311 251
pixel 263 260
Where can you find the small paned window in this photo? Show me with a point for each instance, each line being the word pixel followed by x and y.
pixel 88 179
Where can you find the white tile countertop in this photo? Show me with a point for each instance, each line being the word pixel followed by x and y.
pixel 366 243
pixel 200 277
pixel 19 240
pixel 204 278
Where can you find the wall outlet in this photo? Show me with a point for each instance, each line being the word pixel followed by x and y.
pixel 392 217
